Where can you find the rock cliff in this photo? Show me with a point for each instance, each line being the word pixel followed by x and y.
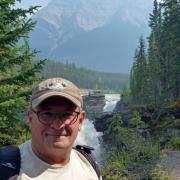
pixel 94 104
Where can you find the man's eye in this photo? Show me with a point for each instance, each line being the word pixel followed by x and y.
pixel 46 114
pixel 67 114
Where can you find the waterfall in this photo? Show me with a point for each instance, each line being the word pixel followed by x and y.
pixel 88 134
pixel 111 100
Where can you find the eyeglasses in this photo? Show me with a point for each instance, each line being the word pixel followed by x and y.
pixel 47 117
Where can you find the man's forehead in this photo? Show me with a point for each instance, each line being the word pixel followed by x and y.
pixel 57 101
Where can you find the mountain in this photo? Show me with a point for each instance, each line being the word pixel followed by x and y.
pixel 100 35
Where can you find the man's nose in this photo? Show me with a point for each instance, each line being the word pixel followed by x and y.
pixel 57 123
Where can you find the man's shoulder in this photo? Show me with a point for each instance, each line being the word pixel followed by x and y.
pixel 25 144
pixel 24 147
pixel 87 156
pixel 9 161
pixel 82 153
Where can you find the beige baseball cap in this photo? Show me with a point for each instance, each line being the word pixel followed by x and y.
pixel 56 87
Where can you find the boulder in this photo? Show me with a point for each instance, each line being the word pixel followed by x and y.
pixel 102 122
pixel 93 105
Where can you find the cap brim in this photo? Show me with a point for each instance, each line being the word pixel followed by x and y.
pixel 36 102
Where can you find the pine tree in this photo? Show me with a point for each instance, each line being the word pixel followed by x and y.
pixel 17 69
pixel 133 80
pixel 139 78
pixel 154 58
pixel 170 38
pixel 162 77
pixel 155 20
pixel 154 86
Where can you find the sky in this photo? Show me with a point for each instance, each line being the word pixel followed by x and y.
pixel 28 3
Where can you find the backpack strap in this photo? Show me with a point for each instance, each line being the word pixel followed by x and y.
pixel 87 152
pixel 9 162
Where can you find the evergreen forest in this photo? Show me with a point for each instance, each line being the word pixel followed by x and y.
pixel 155 74
pixel 139 140
pixel 86 78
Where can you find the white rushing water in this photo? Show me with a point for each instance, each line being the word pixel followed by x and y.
pixel 111 100
pixel 88 134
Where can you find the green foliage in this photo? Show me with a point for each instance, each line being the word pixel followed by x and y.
pixel 85 78
pixel 114 126
pixel 138 78
pixel 175 105
pixel 145 152
pixel 166 121
pixel 114 171
pixel 6 139
pixel 18 72
pixel 116 165
pixel 139 158
pixel 158 174
pixel 120 137
pixel 128 151
pixel 175 143
pixel 125 92
pixel 120 156
pixel 155 77
pixel 136 121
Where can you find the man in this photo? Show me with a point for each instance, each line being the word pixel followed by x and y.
pixel 55 117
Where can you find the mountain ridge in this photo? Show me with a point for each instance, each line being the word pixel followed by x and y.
pixel 61 22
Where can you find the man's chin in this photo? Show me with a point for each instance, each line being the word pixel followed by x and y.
pixel 59 143
pixel 55 138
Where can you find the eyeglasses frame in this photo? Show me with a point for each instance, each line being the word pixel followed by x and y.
pixel 72 121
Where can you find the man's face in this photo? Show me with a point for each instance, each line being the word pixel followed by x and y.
pixel 57 135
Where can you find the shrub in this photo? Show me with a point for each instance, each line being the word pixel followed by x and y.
pixel 158 174
pixel 175 143
pixel 114 171
pixel 175 105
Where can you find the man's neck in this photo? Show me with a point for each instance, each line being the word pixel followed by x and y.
pixel 55 157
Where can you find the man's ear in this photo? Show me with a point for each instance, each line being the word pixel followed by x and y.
pixel 29 116
pixel 81 119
